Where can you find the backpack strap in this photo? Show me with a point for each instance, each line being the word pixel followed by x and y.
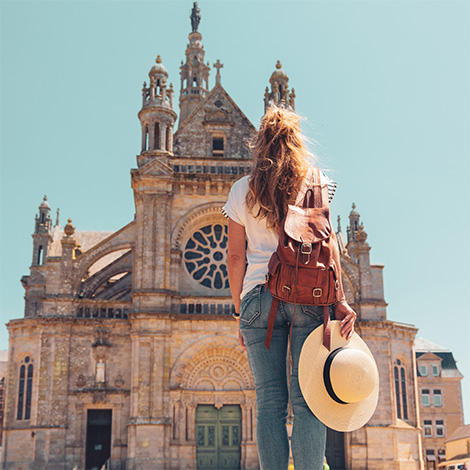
pixel 271 320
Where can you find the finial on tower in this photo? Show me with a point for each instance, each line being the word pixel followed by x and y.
pixel 195 17
pixel 57 218
pixel 69 229
pixel 339 223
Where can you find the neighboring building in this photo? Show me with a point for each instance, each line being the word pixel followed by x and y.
pixel 127 351
pixel 440 396
pixel 458 450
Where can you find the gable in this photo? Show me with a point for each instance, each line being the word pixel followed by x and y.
pixel 429 357
pixel 217 117
pixel 155 167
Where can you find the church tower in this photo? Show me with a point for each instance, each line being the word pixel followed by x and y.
pixel 157 117
pixel 279 94
pixel 194 73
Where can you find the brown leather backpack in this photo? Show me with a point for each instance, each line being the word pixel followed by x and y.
pixel 305 269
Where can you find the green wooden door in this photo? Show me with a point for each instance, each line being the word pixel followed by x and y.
pixel 218 436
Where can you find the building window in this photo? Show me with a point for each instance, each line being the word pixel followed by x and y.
pixel 435 371
pixel 440 428
pixel 442 454
pixel 156 136
pixel 205 256
pixel 425 398
pixel 423 370
pixel 25 389
pixel 218 146
pixel 403 393
pixel 397 392
pixel 40 255
pixel 437 398
pixel 427 428
pixel 430 460
pixel 400 390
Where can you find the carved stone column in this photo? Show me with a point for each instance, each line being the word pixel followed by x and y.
pixel 163 144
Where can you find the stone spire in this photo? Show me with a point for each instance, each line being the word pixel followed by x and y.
pixel 194 72
pixel 157 116
pixel 42 233
pixel 279 94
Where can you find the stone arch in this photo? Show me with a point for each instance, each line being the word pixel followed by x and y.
pixel 212 364
pixel 121 265
pixel 204 213
pixel 83 266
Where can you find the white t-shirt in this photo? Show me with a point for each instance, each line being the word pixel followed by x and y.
pixel 262 242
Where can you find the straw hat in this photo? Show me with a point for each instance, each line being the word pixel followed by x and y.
pixel 340 386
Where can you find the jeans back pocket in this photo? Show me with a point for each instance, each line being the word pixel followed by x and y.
pixel 250 308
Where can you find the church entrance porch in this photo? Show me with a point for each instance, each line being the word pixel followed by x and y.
pixel 98 438
pixel 218 437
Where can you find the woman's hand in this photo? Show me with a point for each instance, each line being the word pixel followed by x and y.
pixel 240 337
pixel 347 316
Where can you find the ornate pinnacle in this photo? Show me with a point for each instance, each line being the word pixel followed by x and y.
pixel 69 229
pixel 158 60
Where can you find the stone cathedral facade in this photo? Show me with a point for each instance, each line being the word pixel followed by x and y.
pixel 127 355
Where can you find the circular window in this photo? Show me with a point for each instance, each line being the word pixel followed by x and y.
pixel 204 256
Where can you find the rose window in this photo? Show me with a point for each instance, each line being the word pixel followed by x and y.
pixel 205 258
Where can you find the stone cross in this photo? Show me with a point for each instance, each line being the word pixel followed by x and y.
pixel 218 66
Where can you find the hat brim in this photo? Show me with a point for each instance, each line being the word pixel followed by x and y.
pixel 337 416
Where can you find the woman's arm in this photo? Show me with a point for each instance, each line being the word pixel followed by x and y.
pixel 236 263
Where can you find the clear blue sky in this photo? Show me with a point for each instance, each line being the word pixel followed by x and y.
pixel 384 86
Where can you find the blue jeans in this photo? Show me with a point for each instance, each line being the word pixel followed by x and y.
pixel 270 376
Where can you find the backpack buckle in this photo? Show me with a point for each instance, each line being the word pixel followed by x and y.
pixel 306 248
pixel 284 288
pixel 317 292
pixel 336 284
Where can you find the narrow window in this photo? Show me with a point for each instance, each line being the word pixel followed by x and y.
pixel 437 398
pixel 40 255
pixel 425 398
pixel 423 371
pixel 403 393
pixel 440 428
pixel 435 371
pixel 194 81
pixel 145 138
pixel 21 392
pixel 156 137
pixel 29 390
pixel 397 392
pixel 218 146
pixel 427 428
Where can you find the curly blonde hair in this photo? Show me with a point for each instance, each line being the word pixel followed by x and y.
pixel 280 166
